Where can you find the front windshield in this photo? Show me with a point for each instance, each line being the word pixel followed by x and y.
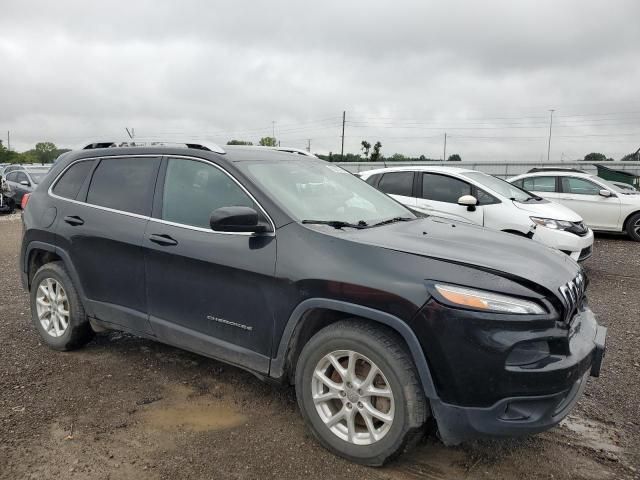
pixel 316 190
pixel 500 186
pixel 609 185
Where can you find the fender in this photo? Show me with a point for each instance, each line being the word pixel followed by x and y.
pixel 278 363
pixel 68 265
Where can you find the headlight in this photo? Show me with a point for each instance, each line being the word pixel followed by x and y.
pixel 550 223
pixel 488 301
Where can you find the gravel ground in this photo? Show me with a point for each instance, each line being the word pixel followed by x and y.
pixel 127 408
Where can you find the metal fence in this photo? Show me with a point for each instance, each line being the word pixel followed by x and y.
pixel 499 169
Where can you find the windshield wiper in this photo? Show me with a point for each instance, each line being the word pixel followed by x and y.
pixel 392 220
pixel 337 223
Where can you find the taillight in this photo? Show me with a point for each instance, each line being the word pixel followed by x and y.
pixel 25 200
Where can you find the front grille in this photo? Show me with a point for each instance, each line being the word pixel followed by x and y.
pixel 572 295
pixel 578 228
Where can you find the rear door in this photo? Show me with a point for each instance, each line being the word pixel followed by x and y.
pixel 439 194
pixel 101 226
pixel 543 186
pixel 399 185
pixel 207 291
pixel 16 180
pixel 583 196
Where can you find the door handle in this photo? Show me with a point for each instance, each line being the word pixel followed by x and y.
pixel 73 220
pixel 164 240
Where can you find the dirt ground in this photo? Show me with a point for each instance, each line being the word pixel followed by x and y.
pixel 127 408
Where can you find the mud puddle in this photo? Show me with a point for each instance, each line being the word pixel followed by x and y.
pixel 592 434
pixel 182 409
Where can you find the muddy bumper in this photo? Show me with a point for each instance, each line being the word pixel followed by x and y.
pixel 524 415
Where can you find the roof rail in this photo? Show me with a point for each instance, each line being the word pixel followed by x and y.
pixel 298 151
pixel 210 147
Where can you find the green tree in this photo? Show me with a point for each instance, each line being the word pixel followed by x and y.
pixel 46 152
pixel 268 142
pixel 398 157
pixel 239 142
pixel 454 158
pixel 376 156
pixel 595 157
pixel 632 156
pixel 366 146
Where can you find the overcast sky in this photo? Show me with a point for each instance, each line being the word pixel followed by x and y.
pixel 486 73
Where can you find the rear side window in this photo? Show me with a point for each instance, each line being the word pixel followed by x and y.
pixel 69 185
pixel 21 177
pixel 124 184
pixel 442 188
pixel 11 177
pixel 579 186
pixel 373 179
pixel 539 184
pixel 193 190
pixel 397 183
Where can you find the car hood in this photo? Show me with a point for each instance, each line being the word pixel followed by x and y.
pixel 548 209
pixel 472 245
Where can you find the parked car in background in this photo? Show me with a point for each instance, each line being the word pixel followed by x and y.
pixel 24 180
pixel 473 196
pixel 292 268
pixel 10 168
pixel 603 205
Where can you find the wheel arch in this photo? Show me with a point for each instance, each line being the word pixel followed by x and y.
pixel 626 220
pixel 40 253
pixel 313 314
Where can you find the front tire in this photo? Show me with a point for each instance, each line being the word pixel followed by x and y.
pixel 359 392
pixel 56 309
pixel 633 227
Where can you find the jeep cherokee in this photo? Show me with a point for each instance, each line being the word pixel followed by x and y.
pixel 296 270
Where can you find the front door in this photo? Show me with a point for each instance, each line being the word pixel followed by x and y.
pixel 583 197
pixel 439 196
pixel 208 291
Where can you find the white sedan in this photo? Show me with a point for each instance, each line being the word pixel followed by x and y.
pixel 475 197
pixel 603 205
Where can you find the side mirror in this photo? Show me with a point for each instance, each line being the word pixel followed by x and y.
pixel 605 193
pixel 25 183
pixel 468 201
pixel 236 219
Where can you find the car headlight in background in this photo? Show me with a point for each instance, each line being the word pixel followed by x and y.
pixel 551 223
pixel 487 301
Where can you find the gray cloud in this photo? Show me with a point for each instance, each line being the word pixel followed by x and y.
pixel 481 71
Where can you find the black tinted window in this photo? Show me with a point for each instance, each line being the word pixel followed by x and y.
pixel 397 183
pixel 193 189
pixel 71 181
pixel 442 188
pixel 373 179
pixel 124 184
pixel 485 198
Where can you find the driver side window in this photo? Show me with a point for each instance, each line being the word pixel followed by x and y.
pixel 579 186
pixel 442 188
pixel 194 189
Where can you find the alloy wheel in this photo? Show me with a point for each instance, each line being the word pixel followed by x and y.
pixel 52 307
pixel 353 397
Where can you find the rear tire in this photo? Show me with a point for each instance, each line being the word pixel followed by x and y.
pixel 380 415
pixel 633 227
pixel 56 309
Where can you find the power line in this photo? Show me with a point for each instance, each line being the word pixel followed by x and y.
pixel 550 125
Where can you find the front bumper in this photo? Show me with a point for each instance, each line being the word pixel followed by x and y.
pixel 578 248
pixel 528 414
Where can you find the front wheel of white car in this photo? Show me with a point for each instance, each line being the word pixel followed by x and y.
pixel 359 392
pixel 633 227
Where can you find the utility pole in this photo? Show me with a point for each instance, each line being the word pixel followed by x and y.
pixel 550 125
pixel 309 145
pixel 8 140
pixel 344 116
pixel 444 155
pixel 273 129
pixel 131 133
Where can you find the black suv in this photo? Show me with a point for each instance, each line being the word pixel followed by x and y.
pixel 294 269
